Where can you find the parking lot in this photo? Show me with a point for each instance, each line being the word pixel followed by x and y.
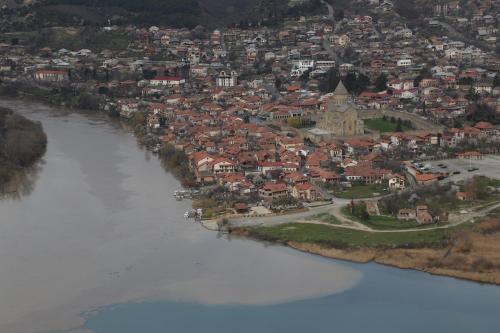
pixel 489 166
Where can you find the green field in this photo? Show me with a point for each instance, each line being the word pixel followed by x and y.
pixel 362 191
pixel 341 237
pixel 381 125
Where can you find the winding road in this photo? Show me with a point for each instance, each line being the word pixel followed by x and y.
pixel 326 42
pixel 335 210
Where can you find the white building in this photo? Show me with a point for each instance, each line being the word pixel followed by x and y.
pixel 225 79
pixel 404 63
pixel 396 182
pixel 325 64
pixel 400 84
pixel 301 66
pixel 167 81
pixel 49 75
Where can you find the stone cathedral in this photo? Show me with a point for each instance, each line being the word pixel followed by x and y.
pixel 341 116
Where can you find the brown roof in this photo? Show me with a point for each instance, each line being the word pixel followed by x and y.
pixel 483 125
pixel 240 206
pixel 303 187
pixel 426 176
pixel 365 171
pixel 274 187
pixel 470 153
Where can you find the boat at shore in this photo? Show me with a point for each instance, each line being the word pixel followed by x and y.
pixel 183 194
pixel 194 214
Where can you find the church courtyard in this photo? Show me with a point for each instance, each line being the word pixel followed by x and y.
pixel 384 125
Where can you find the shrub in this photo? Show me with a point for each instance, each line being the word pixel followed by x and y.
pixel 463 243
pixel 482 265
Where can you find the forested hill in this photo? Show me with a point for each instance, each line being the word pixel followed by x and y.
pixel 34 14
pixel 22 143
pixel 177 13
pixel 182 13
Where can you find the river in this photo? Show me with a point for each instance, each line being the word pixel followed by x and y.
pixel 100 245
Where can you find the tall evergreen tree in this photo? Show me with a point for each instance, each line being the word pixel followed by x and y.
pixel 381 83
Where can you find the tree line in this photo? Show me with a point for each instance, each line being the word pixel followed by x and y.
pixel 354 82
pixel 185 13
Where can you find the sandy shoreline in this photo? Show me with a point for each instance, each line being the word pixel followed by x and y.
pixel 395 258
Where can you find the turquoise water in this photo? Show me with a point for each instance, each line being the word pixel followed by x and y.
pixel 386 300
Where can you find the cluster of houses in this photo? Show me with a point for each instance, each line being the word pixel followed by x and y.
pixel 228 97
pixel 426 74
pixel 251 159
pixel 420 214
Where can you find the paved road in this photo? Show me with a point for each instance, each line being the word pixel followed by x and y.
pixel 326 42
pixel 330 51
pixel 420 123
pixel 303 217
pixel 455 34
pixel 335 210
pixel 274 220
pixel 330 10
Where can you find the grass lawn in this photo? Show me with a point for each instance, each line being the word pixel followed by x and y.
pixel 381 125
pixel 383 222
pixel 341 237
pixel 362 191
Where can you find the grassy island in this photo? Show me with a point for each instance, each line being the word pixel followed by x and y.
pixel 22 143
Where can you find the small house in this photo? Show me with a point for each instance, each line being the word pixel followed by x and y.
pixel 407 214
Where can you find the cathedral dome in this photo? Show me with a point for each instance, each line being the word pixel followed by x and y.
pixel 341 95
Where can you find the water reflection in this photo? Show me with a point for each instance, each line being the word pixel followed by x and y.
pixel 101 227
pixel 22 183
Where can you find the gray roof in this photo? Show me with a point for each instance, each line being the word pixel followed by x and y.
pixel 341 90
pixel 341 108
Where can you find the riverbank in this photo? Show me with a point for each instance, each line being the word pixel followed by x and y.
pixel 175 161
pixel 470 251
pixel 433 255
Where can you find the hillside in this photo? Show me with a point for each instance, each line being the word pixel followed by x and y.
pixel 173 12
pixel 228 9
pixel 185 13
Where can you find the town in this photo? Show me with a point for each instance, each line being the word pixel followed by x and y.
pixel 187 166
pixel 339 106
